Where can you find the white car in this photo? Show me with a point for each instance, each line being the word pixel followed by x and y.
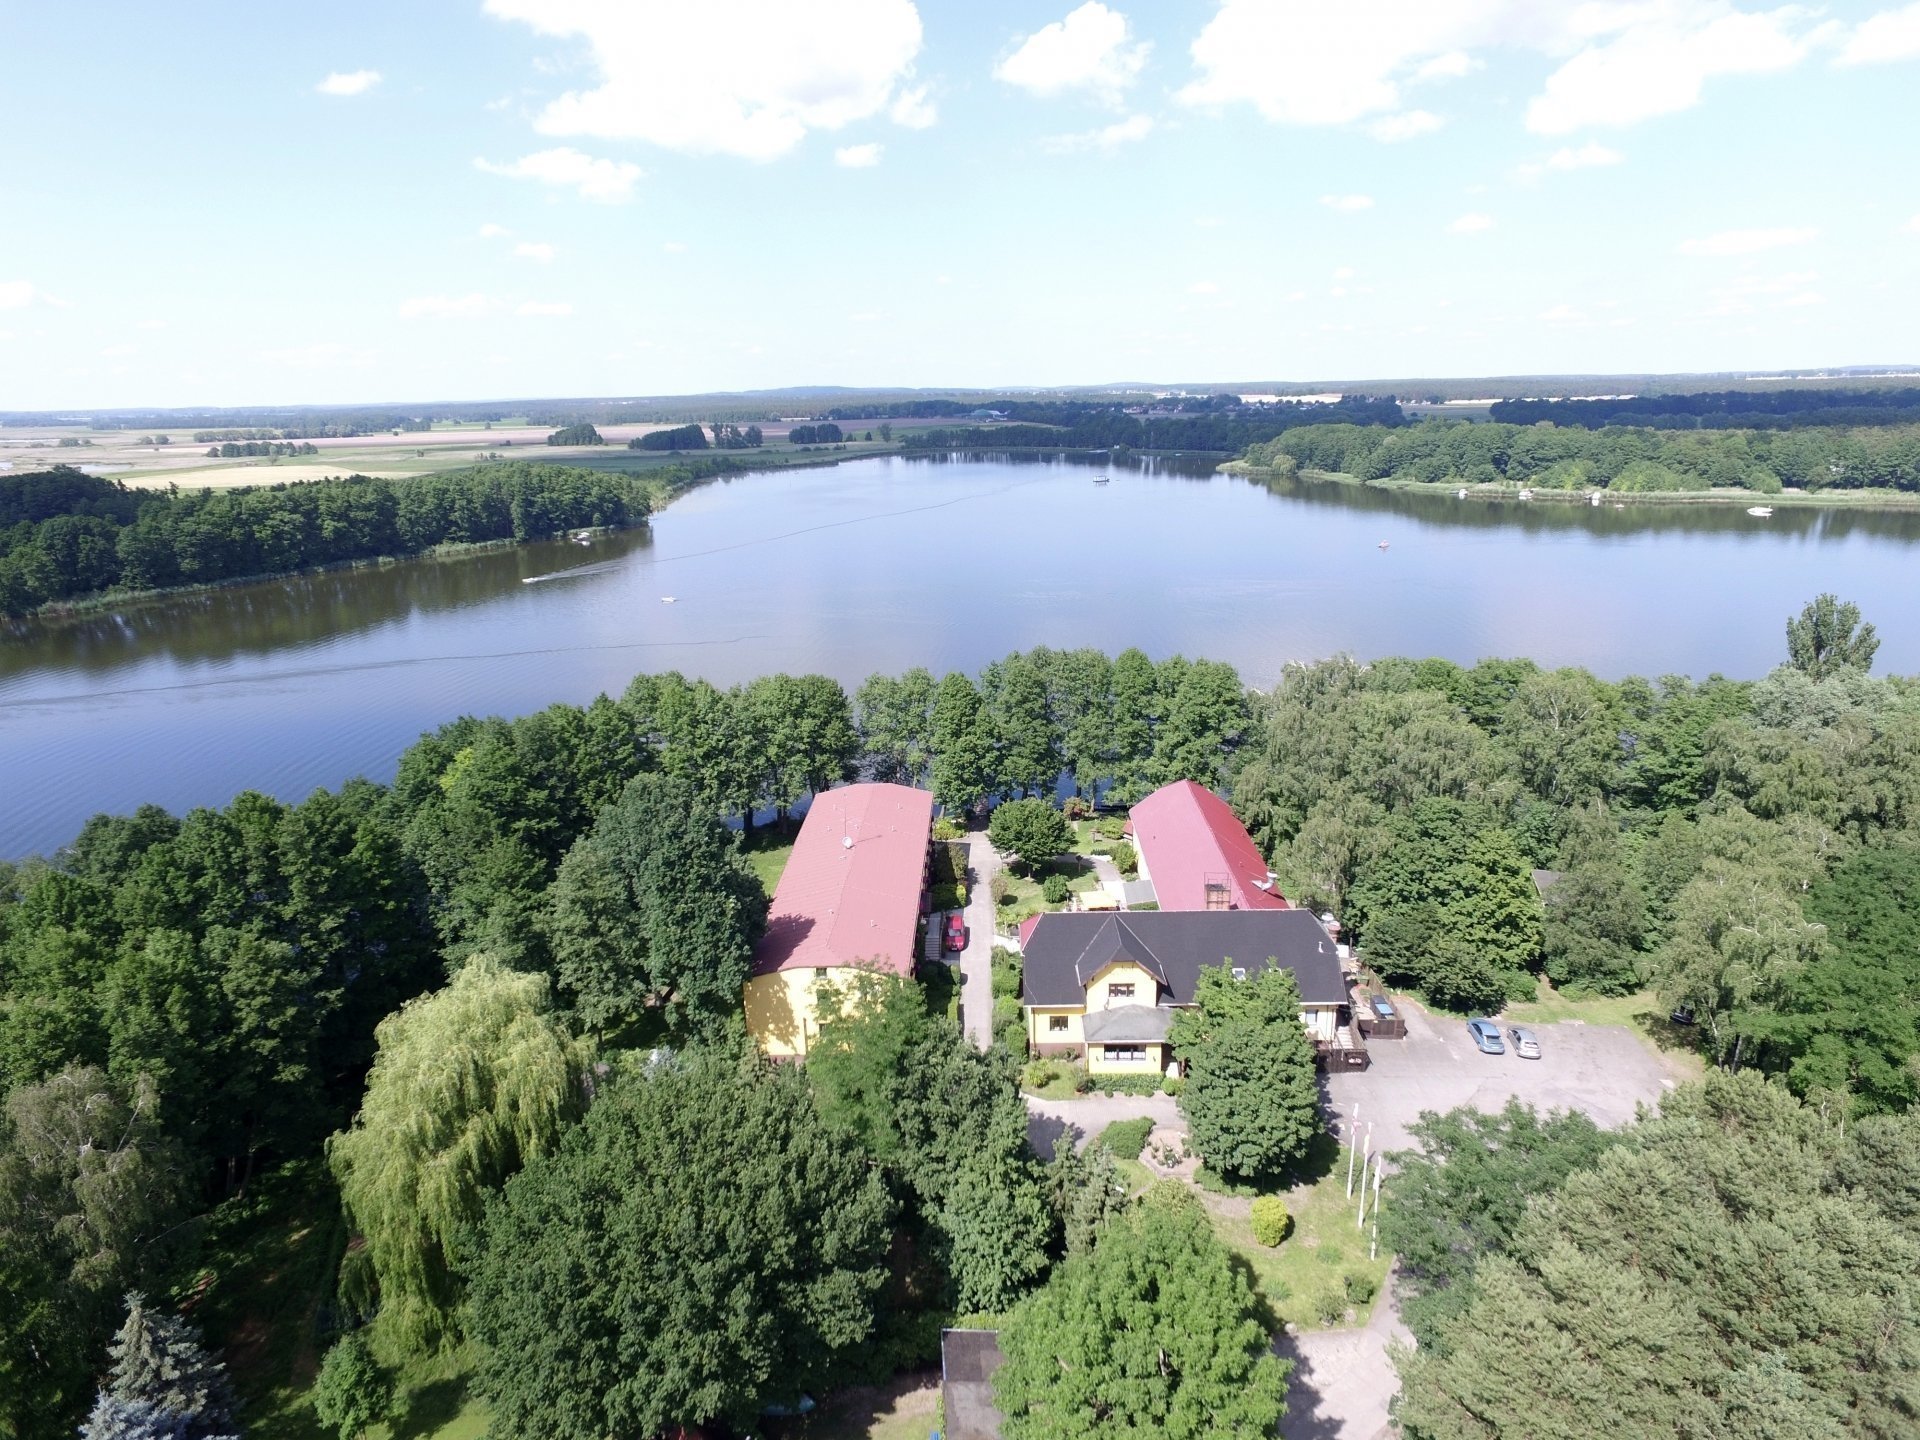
pixel 1524 1045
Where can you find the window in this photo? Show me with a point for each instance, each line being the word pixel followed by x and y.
pixel 1056 1022
pixel 1120 992
pixel 1126 1052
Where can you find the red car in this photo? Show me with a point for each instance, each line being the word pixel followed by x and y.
pixel 956 931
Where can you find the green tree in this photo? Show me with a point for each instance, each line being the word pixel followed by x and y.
pixel 1154 1330
pixel 699 1248
pixel 654 907
pixel 352 1390
pixel 1460 1197
pixel 161 1377
pixel 1136 710
pixel 1025 741
pixel 469 1084
pixel 895 721
pixel 1827 636
pixel 1252 1100
pixel 963 760
pixel 1031 830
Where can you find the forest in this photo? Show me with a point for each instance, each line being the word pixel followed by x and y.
pixel 1547 456
pixel 65 535
pixel 197 1012
pixel 1721 410
pixel 1084 425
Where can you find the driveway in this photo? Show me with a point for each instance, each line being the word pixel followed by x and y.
pixel 1605 1071
pixel 976 961
pixel 1342 1380
pixel 1084 1117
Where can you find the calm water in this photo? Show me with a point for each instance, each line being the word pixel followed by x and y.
pixel 884 564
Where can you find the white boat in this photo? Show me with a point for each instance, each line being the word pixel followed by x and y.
pixel 1763 511
pixel 1383 544
pixel 666 599
pixel 1526 494
pixel 1100 479
pixel 1594 499
pixel 1460 495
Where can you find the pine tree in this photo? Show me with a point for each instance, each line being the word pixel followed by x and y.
pixel 163 1385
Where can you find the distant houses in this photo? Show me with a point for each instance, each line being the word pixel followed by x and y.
pixel 851 897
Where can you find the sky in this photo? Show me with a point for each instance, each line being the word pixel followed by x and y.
pixel 234 203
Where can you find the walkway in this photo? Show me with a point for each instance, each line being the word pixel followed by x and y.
pixel 1087 1115
pixel 976 961
pixel 1342 1379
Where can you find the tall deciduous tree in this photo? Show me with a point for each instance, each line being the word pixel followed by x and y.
pixel 963 760
pixel 1031 830
pixel 895 720
pixel 1827 636
pixel 1153 1331
pixel 700 1247
pixel 1252 1098
pixel 470 1082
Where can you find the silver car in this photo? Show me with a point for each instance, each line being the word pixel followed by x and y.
pixel 1524 1045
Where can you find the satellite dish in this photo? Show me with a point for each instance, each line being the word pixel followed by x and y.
pixel 846 842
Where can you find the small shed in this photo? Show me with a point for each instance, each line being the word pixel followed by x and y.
pixel 968 1359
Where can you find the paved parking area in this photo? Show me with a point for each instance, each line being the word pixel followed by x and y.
pixel 1603 1071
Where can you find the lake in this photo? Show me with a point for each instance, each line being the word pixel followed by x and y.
pixel 882 564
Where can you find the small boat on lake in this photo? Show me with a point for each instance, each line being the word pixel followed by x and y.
pixel 666 599
pixel 1763 511
pixel 1100 479
pixel 1526 494
pixel 1460 495
pixel 1383 544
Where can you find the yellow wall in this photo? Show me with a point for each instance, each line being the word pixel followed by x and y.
pixel 1146 989
pixel 781 1011
pixel 1039 1031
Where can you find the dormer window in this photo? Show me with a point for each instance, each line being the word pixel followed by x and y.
pixel 1120 992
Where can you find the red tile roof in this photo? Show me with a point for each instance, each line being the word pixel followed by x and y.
pixel 839 903
pixel 1188 837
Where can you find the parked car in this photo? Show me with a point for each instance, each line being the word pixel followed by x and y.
pixel 1486 1035
pixel 1382 1007
pixel 1524 1045
pixel 956 931
pixel 1682 1015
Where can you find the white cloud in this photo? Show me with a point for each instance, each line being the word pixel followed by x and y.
pixel 1890 35
pixel 857 157
pixel 729 77
pixel 1209 222
pixel 1407 125
pixel 17 294
pixel 1567 157
pixel 1562 315
pixel 1203 287
pixel 444 307
pixel 1746 242
pixel 544 308
pixel 1347 204
pixel 535 250
pixel 1746 294
pixel 674 247
pixel 491 231
pixel 349 82
pixel 117 352
pixel 1345 272
pixel 1089 50
pixel 1913 225
pixel 1613 62
pixel 595 179
pixel 1107 137
pixel 1470 224
pixel 912 109
pixel 321 355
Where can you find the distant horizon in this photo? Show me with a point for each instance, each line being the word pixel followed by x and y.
pixel 1827 374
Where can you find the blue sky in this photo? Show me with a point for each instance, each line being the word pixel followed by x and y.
pixel 225 203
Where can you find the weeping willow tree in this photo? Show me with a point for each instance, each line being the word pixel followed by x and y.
pixel 469 1083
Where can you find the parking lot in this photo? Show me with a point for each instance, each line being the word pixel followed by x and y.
pixel 1603 1071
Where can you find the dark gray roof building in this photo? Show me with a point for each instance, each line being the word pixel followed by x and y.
pixel 968 1359
pixel 1066 949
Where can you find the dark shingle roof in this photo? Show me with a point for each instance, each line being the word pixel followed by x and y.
pixel 1067 949
pixel 968 1359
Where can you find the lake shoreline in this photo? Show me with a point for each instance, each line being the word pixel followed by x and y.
pixel 1892 500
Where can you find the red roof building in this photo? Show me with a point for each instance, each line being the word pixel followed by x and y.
pixel 851 891
pixel 1198 855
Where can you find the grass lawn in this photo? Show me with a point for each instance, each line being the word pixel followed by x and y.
pixel 1315 1258
pixel 768 854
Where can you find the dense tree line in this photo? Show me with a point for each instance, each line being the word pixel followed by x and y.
pixel 1746 848
pixel 582 434
pixel 732 437
pixel 1741 1264
pixel 73 536
pixel 1553 457
pixel 1085 427
pixel 1722 410
pixel 684 437
pixel 239 449
pixel 825 433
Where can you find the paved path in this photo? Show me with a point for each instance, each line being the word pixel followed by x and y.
pixel 1342 1379
pixel 976 961
pixel 1086 1116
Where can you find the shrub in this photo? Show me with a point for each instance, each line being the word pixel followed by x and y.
pixel 1271 1222
pixel 1039 1074
pixel 1763 480
pixel 1006 1013
pixel 1126 1138
pixel 1110 827
pixel 1006 973
pixel 999 889
pixel 1360 1287
pixel 1126 859
pixel 1126 1084
pixel 1330 1308
pixel 352 1391
pixel 1082 1082
pixel 948 896
pixel 1172 1085
pixel 1145 905
pixel 946 829
pixel 1055 890
pixel 1076 807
